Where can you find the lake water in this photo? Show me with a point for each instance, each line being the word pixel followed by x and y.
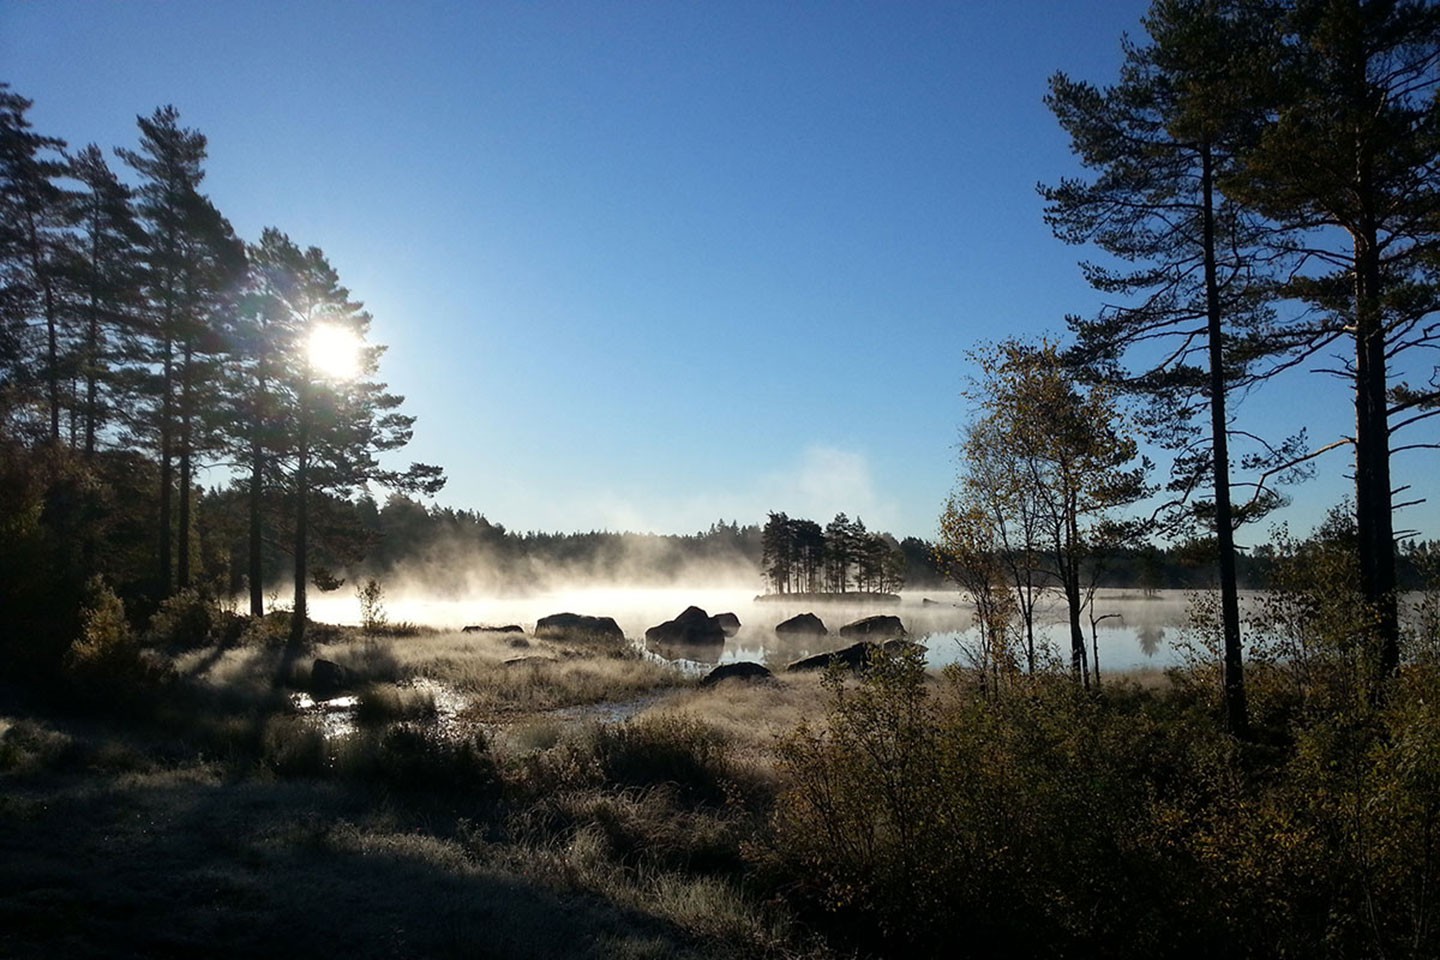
pixel 1141 633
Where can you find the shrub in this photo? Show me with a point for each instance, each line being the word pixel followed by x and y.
pixel 422 757
pixel 271 630
pixel 183 620
pixel 674 749
pixel 106 664
pixel 370 660
pixel 1313 619
pixel 295 747
pixel 938 820
pixel 372 606
pixel 27 746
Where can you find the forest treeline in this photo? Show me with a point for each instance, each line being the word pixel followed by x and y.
pixel 449 551
pixel 452 552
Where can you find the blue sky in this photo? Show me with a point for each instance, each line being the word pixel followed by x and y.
pixel 646 265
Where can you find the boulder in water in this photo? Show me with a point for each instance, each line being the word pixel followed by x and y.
pixel 899 648
pixel 805 623
pixel 880 627
pixel 577 626
pixel 693 625
pixel 853 657
pixel 327 678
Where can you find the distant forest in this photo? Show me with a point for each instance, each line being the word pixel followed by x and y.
pixel 453 551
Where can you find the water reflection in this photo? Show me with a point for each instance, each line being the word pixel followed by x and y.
pixel 1151 636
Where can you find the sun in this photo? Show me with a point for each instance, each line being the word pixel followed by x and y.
pixel 334 352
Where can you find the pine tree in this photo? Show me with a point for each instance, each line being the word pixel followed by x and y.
pixel 265 333
pixel 192 260
pixel 36 214
pixel 839 554
pixel 331 427
pixel 106 286
pixel 1198 321
pixel 778 551
pixel 809 541
pixel 1353 151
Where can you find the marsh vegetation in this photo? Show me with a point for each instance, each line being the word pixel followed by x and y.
pixel 174 791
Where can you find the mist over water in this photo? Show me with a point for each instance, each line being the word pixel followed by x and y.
pixel 1142 635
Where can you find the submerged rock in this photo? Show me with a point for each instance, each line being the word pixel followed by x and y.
pixel 804 623
pixel 577 626
pixel 693 625
pixel 744 670
pixel 854 657
pixel 883 627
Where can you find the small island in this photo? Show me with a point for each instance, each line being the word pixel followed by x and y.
pixel 849 596
pixel 804 562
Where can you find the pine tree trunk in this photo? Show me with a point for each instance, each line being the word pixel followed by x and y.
pixel 53 337
pixel 1237 718
pixel 302 523
pixel 182 562
pixel 1071 579
pixel 167 472
pixel 92 372
pixel 1373 520
pixel 1078 660
pixel 302 517
pixel 257 595
pixel 52 333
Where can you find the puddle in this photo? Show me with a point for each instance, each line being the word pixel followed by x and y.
pixel 336 716
pixel 613 711
pixel 449 702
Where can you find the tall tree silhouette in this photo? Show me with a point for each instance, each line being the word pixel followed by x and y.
pixel 106 287
pixel 1353 155
pixel 1194 271
pixel 192 259
pixel 332 426
pixel 36 214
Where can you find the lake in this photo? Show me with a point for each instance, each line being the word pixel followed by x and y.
pixel 1141 634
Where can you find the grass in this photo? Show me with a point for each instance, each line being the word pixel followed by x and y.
pixel 190 864
pixel 225 822
pixel 477 808
pixel 383 703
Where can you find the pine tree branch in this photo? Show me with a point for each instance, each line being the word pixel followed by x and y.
pixel 1261 482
